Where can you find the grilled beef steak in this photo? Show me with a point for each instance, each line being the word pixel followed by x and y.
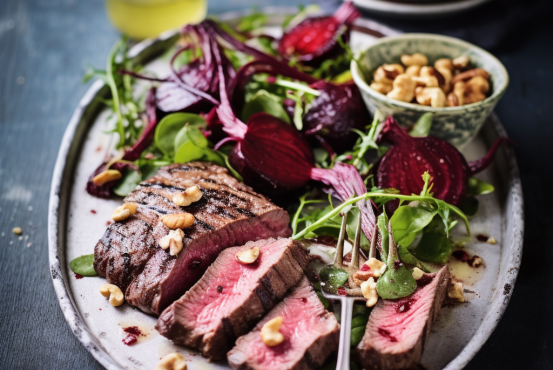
pixel 231 297
pixel 228 214
pixel 395 334
pixel 310 335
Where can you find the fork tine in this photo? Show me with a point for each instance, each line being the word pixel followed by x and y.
pixel 339 259
pixel 372 251
pixel 356 245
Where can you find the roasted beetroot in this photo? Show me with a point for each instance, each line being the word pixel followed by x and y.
pixel 315 38
pixel 194 87
pixel 333 114
pixel 409 157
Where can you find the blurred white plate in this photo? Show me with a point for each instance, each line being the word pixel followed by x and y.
pixel 409 10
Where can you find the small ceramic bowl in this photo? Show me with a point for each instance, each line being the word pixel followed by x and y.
pixel 457 125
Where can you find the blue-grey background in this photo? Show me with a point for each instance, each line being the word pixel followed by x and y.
pixel 44 47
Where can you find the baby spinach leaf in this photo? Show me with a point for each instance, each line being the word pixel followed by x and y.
pixel 127 183
pixel 359 320
pixel 478 187
pixel 406 257
pixel 332 278
pixel 397 281
pixel 423 125
pixel 396 284
pixel 266 102
pixel 189 152
pixel 356 335
pixel 83 265
pixel 168 128
pixel 408 221
pixel 433 247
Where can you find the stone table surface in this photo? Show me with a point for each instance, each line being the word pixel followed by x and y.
pixel 44 48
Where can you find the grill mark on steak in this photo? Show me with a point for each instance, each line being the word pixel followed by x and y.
pixel 228 214
pixel 183 168
pixel 160 185
pixel 228 330
pixel 265 297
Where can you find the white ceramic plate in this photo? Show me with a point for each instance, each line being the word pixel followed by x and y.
pixel 421 10
pixel 74 230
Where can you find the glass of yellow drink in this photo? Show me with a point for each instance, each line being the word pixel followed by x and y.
pixel 140 19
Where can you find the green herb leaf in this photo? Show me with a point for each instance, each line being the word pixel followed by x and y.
pixel 382 223
pixel 127 183
pixel 395 283
pixel 170 126
pixel 189 152
pixel 423 125
pixel 251 22
pixel 266 102
pixel 433 247
pixel 406 257
pixel 478 187
pixel 332 278
pixel 408 221
pixel 356 335
pixel 83 265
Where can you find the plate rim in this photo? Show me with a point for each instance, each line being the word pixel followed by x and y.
pixel 58 213
pixel 417 10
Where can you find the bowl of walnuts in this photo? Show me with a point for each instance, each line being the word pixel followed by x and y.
pixel 408 75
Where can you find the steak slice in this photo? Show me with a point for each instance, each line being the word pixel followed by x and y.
pixel 228 214
pixel 231 297
pixel 310 335
pixel 395 334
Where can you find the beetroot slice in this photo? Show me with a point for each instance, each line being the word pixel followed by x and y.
pixel 334 113
pixel 409 157
pixel 276 152
pixel 316 36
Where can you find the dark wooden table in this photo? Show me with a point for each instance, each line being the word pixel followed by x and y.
pixel 44 47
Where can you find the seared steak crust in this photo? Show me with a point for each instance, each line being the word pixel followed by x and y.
pixel 231 297
pixel 228 214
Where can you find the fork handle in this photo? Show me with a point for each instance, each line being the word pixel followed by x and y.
pixel 345 333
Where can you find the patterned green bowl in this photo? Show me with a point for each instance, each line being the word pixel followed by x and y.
pixel 457 125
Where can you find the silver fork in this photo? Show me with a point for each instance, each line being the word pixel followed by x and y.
pixel 346 302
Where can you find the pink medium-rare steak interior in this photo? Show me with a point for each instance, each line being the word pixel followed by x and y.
pixel 228 214
pixel 310 335
pixel 396 331
pixel 231 297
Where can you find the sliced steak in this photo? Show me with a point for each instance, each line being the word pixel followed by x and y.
pixel 228 214
pixel 310 335
pixel 231 297
pixel 395 334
